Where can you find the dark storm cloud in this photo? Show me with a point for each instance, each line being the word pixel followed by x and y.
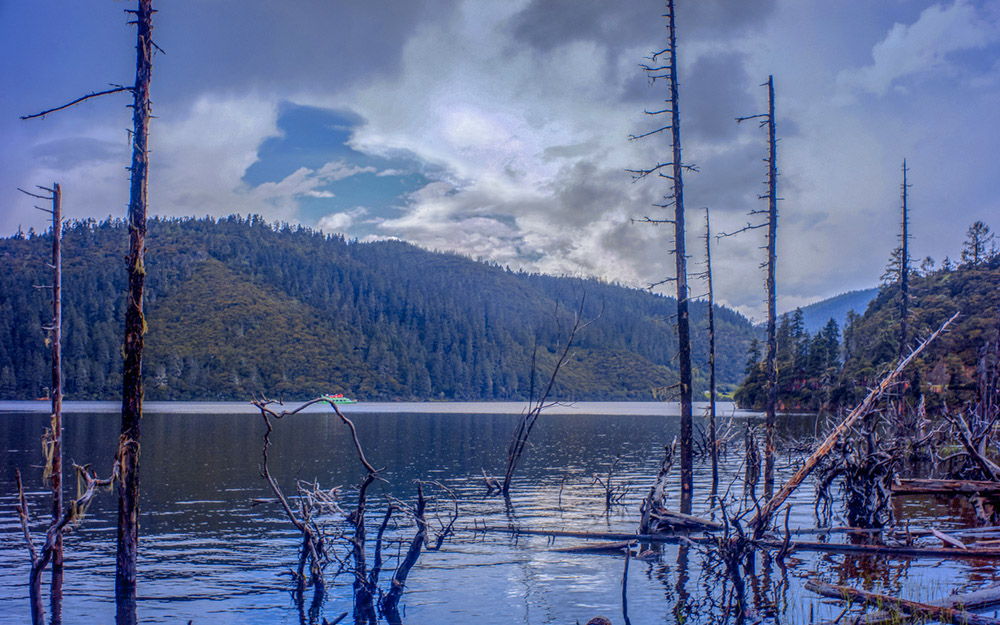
pixel 310 45
pixel 546 24
pixel 716 90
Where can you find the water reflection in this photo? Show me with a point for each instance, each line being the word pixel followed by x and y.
pixel 207 554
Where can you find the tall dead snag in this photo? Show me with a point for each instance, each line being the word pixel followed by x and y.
pixel 128 490
pixel 761 519
pixel 771 358
pixel 904 268
pixel 128 449
pixel 712 435
pixel 52 439
pixel 663 65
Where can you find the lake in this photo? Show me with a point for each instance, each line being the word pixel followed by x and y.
pixel 208 555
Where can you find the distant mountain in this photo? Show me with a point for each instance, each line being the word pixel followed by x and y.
pixel 815 316
pixel 238 306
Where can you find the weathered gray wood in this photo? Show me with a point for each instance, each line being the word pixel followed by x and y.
pixel 912 608
pixel 975 600
pixel 945 487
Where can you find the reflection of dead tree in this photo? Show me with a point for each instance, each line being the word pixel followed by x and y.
pixel 536 405
pixel 89 485
pixel 317 549
pixel 761 520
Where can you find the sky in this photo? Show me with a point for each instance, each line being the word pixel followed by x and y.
pixel 499 129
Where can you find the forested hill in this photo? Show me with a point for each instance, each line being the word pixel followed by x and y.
pixel 871 342
pixel 238 306
pixel 816 371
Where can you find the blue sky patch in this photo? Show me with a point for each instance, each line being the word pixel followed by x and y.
pixel 312 137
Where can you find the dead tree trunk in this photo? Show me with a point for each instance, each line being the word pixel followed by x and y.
pixel 771 358
pixel 657 69
pixel 56 428
pixel 128 490
pixel 52 439
pixel 904 270
pixel 712 437
pixel 772 255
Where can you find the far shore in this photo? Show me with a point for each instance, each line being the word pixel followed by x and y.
pixel 638 408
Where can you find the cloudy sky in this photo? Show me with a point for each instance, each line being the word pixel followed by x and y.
pixel 499 128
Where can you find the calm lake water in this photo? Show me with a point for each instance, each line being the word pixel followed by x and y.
pixel 208 555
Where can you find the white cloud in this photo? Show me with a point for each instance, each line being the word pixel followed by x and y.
pixel 342 221
pixel 338 170
pixel 922 47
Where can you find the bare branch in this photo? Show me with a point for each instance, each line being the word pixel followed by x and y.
pixel 96 94
pixel 35 195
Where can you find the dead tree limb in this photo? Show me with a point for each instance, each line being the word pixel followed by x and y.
pixel 390 603
pixel 40 559
pixel 535 406
pixel 760 520
pixel 96 94
pixel 913 608
pixel 52 439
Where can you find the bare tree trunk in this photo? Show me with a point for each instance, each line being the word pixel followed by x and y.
pixel 712 436
pixel 772 341
pixel 668 70
pixel 128 490
pixel 680 260
pixel 904 272
pixel 57 394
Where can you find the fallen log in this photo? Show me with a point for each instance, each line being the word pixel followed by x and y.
pixel 762 518
pixel 945 487
pixel 948 540
pixel 883 550
pixel 910 608
pixel 613 547
pixel 665 520
pixel 975 600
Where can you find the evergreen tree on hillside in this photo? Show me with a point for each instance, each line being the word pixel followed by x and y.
pixel 978 246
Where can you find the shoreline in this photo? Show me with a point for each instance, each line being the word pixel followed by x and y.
pixel 724 410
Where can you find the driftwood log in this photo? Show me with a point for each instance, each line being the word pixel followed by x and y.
pixel 975 600
pixel 910 608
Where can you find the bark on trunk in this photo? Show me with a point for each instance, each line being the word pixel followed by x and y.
pixel 712 436
pixel 680 259
pixel 772 254
pixel 128 489
pixel 57 429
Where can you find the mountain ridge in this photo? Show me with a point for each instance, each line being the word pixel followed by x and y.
pixel 237 306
